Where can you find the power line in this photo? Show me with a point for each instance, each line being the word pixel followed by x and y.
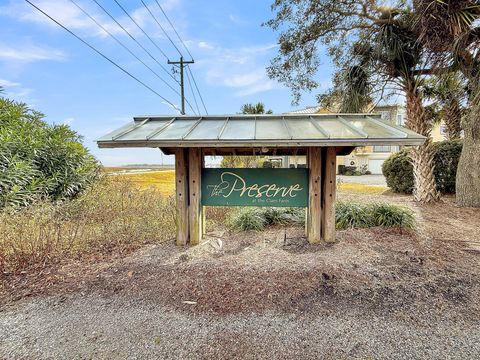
pixel 173 27
pixel 124 46
pixel 193 93
pixel 161 27
pixel 101 54
pixel 136 41
pixel 188 51
pixel 149 38
pixel 201 98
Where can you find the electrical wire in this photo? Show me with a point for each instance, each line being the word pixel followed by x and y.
pixel 124 46
pixel 193 92
pixel 102 55
pixel 136 41
pixel 148 36
pixel 173 27
pixel 161 27
pixel 196 86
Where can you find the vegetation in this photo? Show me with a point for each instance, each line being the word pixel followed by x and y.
pixel 351 215
pixel 40 161
pixel 398 169
pixel 162 181
pixel 256 219
pixel 347 215
pixel 112 217
pixel 248 161
pixel 258 108
pixel 388 49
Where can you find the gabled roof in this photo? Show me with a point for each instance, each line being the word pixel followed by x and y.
pixel 286 130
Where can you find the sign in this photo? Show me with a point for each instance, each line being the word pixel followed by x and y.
pixel 255 187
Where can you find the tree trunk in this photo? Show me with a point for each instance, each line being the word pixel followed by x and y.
pixel 425 189
pixel 468 171
pixel 452 114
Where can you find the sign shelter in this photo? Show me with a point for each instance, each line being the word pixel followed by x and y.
pixel 319 137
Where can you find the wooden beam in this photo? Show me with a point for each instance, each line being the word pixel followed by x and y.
pixel 329 194
pixel 195 190
pixel 314 216
pixel 204 213
pixel 181 196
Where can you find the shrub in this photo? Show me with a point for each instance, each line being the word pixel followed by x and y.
pixel 447 154
pixel 388 215
pixel 247 219
pixel 398 172
pixel 113 216
pixel 351 215
pixel 38 160
pixel 398 169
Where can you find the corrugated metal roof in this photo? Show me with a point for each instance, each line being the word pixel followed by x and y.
pixel 287 130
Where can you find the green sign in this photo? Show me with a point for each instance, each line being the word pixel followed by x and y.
pixel 255 187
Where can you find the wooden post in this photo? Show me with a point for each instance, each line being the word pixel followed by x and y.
pixel 314 216
pixel 195 189
pixel 204 213
pixel 329 190
pixel 181 194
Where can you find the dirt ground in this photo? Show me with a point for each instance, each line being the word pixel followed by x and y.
pixel 376 293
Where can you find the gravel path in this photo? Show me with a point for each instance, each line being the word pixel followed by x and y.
pixel 121 328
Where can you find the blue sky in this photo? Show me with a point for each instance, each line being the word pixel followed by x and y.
pixel 53 72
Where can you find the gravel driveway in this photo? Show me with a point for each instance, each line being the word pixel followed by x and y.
pixel 375 294
pixel 364 179
pixel 124 328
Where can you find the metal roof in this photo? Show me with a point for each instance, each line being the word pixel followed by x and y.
pixel 286 130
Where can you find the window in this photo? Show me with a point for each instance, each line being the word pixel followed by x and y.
pixel 400 120
pixel 382 148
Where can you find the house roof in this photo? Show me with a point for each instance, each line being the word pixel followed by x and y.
pixel 246 131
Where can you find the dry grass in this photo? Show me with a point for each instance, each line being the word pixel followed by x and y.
pixel 361 188
pixel 163 181
pixel 114 217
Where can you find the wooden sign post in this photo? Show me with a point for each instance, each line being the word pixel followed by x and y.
pixel 312 188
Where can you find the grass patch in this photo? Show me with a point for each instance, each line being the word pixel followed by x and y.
pixel 361 188
pixel 352 215
pixel 347 215
pixel 163 181
pixel 113 217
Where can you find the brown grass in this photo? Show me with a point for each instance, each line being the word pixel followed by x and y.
pixel 114 217
pixel 163 181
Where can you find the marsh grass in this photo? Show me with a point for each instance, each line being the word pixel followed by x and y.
pixel 113 217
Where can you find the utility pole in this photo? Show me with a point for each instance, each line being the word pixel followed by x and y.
pixel 182 87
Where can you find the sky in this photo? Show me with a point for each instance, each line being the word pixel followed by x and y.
pixel 44 66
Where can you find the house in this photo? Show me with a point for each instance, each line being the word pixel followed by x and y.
pixel 368 158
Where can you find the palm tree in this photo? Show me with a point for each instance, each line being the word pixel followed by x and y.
pixel 449 91
pixel 378 40
pixel 258 108
pixel 448 28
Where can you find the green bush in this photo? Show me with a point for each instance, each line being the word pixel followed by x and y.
pixel 347 215
pixel 38 160
pixel 398 169
pixel 351 215
pixel 246 219
pixel 398 172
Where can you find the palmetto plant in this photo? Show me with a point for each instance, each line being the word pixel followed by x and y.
pixel 450 30
pixel 39 161
pixel 374 47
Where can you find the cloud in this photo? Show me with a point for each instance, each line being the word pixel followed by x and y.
pixel 68 14
pixel 8 83
pixel 29 53
pixel 242 69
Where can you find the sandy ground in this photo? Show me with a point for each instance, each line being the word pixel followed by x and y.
pixel 375 294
